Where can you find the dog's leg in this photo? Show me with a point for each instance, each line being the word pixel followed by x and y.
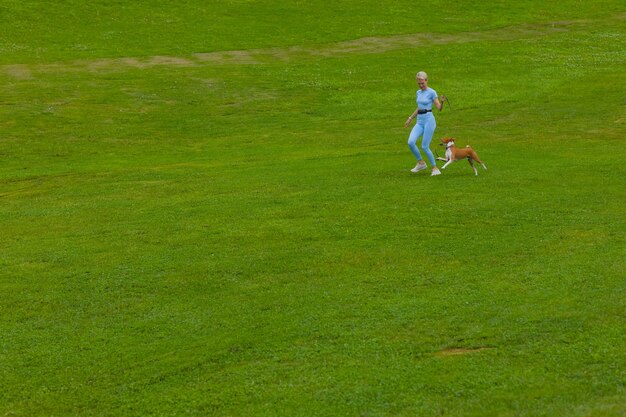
pixel 477 159
pixel 469 159
pixel 480 162
pixel 440 159
pixel 447 163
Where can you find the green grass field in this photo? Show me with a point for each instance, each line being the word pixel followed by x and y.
pixel 206 209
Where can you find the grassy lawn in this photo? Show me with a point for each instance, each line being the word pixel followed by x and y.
pixel 206 209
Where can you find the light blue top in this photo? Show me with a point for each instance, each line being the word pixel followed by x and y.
pixel 425 98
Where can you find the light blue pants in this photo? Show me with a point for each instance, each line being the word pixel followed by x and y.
pixel 425 126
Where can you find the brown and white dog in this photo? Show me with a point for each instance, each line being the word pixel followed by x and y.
pixel 454 154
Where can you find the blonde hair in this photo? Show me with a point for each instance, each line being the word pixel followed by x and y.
pixel 421 76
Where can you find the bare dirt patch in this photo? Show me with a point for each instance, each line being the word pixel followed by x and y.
pixel 460 351
pixel 227 57
pixel 20 72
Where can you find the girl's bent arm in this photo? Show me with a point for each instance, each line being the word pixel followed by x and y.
pixel 438 103
pixel 411 117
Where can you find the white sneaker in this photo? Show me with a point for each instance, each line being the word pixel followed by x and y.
pixel 435 172
pixel 419 167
